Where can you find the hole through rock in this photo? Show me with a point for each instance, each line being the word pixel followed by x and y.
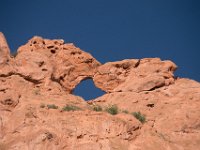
pixel 87 90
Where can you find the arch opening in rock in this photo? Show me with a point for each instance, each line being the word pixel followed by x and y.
pixel 87 90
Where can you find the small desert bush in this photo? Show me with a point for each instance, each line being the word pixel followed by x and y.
pixel 125 111
pixel 113 109
pixel 139 116
pixel 70 108
pixel 97 108
pixel 52 106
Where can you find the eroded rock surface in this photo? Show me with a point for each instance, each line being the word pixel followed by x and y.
pixel 135 75
pixel 4 50
pixel 39 111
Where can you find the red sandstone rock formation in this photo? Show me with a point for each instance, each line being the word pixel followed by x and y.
pixel 36 99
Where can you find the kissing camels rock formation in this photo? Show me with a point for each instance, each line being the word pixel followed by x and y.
pixel 37 84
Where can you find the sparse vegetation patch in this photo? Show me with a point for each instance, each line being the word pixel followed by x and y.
pixel 52 106
pixel 97 108
pixel 113 109
pixel 70 108
pixel 125 111
pixel 139 116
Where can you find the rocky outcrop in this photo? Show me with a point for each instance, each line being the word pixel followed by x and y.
pixel 4 50
pixel 135 75
pixel 172 113
pixel 39 111
pixel 53 60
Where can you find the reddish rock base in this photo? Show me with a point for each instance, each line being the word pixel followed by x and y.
pixel 38 111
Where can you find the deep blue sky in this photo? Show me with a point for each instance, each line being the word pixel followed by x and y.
pixel 111 30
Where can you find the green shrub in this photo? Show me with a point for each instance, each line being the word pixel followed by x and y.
pixel 125 111
pixel 52 106
pixel 97 108
pixel 113 110
pixel 70 108
pixel 139 116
